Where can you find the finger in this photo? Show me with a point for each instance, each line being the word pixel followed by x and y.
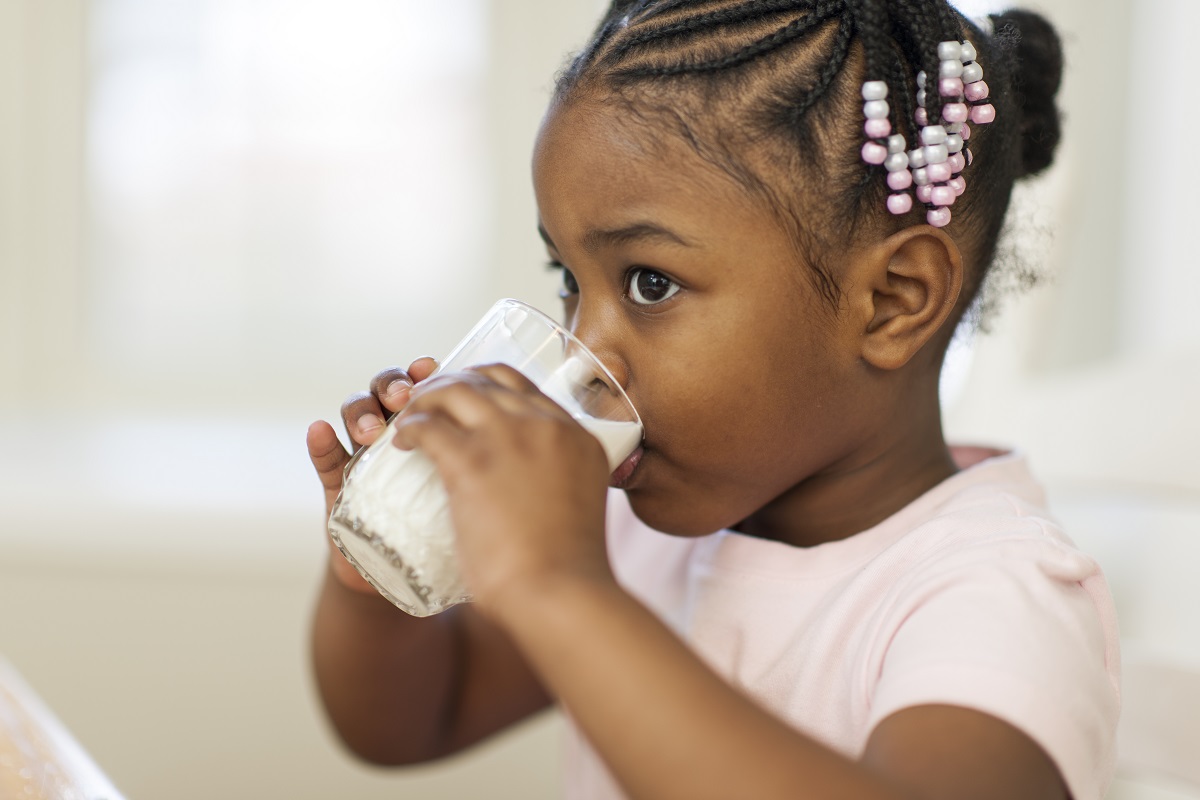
pixel 468 399
pixel 391 387
pixel 437 436
pixel 363 417
pixel 327 455
pixel 422 368
pixel 505 376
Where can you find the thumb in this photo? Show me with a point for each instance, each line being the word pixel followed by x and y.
pixel 328 457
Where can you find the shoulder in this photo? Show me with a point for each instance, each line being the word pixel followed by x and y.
pixel 998 611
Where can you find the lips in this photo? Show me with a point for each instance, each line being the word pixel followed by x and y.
pixel 622 473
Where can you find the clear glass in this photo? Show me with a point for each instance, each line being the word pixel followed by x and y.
pixel 392 520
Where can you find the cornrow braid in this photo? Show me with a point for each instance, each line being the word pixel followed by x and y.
pixel 701 22
pixel 837 58
pixel 796 29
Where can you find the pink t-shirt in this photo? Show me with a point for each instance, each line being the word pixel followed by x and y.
pixel 969 596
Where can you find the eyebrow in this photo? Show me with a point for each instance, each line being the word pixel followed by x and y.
pixel 597 238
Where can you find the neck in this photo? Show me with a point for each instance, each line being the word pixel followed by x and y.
pixel 905 459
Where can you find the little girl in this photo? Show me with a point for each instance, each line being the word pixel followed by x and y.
pixel 770 215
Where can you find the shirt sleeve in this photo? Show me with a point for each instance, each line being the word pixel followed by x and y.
pixel 1022 629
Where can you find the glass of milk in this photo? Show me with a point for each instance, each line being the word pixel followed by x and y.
pixel 392 518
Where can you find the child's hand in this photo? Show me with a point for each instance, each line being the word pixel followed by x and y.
pixel 527 483
pixel 365 415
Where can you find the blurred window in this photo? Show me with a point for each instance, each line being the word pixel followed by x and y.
pixel 260 172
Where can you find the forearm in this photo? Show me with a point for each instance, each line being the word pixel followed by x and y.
pixel 666 725
pixel 387 680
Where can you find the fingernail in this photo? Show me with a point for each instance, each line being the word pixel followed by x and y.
pixel 369 422
pixel 396 387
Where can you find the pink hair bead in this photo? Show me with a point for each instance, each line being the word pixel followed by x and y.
pixel 965 133
pixel 975 92
pixel 879 128
pixel 874 153
pixel 950 87
pixel 921 116
pixel 982 115
pixel 958 184
pixel 970 156
pixel 924 193
pixel 899 203
pixel 942 196
pixel 956 162
pixel 938 173
pixel 954 112
pixel 938 217
pixel 899 180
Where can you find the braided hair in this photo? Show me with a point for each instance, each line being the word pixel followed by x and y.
pixel 769 91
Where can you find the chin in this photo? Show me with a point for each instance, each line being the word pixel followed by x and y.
pixel 668 512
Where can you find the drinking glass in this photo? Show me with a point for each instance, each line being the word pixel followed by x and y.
pixel 392 517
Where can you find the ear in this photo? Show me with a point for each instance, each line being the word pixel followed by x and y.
pixel 908 287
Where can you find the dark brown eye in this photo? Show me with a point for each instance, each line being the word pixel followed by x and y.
pixel 569 285
pixel 647 287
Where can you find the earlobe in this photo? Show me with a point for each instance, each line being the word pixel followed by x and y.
pixel 915 284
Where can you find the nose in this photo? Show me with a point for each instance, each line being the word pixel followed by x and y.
pixel 601 331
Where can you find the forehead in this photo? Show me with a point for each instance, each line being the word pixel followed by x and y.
pixel 595 161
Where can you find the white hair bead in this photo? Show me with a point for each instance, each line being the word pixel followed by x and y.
pixel 951 69
pixel 954 143
pixel 896 162
pixel 950 50
pixel 920 177
pixel 916 159
pixel 921 97
pixel 968 52
pixel 876 109
pixel 933 134
pixel 875 90
pixel 896 143
pixel 935 153
pixel 972 73
pixel 921 79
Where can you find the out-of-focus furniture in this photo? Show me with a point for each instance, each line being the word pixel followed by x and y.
pixel 39 759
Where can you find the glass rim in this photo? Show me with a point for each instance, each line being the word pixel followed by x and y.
pixel 559 328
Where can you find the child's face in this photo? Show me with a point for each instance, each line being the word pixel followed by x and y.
pixel 694 296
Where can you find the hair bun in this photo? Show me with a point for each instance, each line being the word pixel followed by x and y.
pixel 1037 74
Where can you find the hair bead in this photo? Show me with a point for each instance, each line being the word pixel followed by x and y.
pixel 938 217
pixel 874 153
pixel 982 115
pixel 896 162
pixel 976 91
pixel 899 203
pixel 934 167
pixel 875 90
pixel 899 180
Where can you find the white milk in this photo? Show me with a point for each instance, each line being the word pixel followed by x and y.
pixel 401 501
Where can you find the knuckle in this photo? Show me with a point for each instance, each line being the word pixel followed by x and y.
pixel 358 402
pixel 384 378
